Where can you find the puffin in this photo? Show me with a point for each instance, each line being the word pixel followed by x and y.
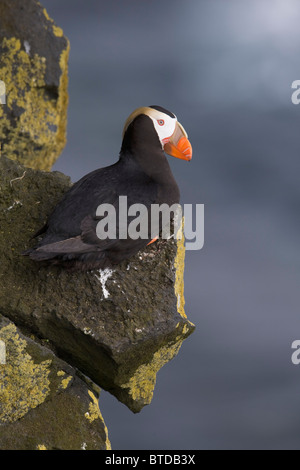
pixel 142 173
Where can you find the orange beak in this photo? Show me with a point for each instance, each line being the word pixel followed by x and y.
pixel 179 146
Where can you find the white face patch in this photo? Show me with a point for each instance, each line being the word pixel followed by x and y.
pixel 164 125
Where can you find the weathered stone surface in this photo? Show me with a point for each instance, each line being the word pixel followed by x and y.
pixel 43 402
pixel 118 327
pixel 34 69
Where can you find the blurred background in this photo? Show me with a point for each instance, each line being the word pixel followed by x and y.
pixel 225 69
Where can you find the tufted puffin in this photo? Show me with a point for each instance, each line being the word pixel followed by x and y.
pixel 142 173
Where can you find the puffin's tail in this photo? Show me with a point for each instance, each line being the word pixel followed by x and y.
pixel 72 254
pixel 39 255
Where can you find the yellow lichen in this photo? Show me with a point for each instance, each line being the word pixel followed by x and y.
pixel 141 384
pixel 65 382
pixel 19 72
pixel 185 329
pixel 57 31
pixel 179 275
pixel 41 447
pixel 23 384
pixel 95 413
pixel 38 135
pixel 46 14
pixel 63 98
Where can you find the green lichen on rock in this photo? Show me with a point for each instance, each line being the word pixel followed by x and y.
pixel 23 383
pixel 34 69
pixel 179 277
pixel 140 386
pixel 43 402
pixel 120 327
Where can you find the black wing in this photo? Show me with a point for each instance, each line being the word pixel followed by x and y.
pixel 71 228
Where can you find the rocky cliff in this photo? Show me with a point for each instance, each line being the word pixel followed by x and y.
pixel 63 335
pixel 34 70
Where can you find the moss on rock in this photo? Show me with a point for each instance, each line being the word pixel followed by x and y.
pixel 23 384
pixel 43 403
pixel 34 70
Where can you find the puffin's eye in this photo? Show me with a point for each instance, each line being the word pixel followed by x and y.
pixel 161 122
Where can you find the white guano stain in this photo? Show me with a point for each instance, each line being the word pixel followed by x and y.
pixel 15 203
pixel 88 331
pixel 27 47
pixel 102 277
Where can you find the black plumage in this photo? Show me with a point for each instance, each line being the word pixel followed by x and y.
pixel 142 173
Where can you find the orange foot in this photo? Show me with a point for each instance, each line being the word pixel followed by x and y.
pixel 152 241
